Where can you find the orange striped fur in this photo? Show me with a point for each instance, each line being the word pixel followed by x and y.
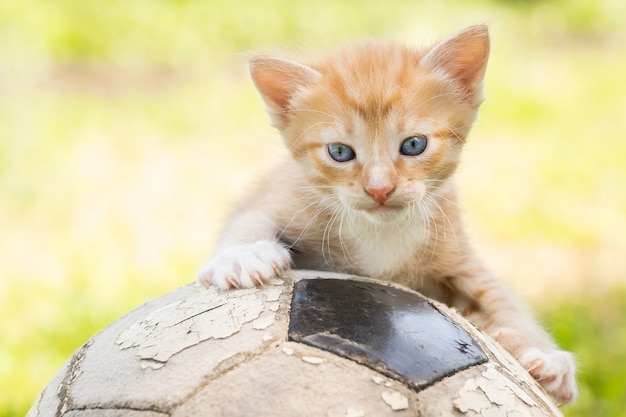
pixel 381 214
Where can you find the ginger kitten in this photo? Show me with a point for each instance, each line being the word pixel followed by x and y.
pixel 375 133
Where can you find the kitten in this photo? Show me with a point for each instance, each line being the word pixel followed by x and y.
pixel 375 133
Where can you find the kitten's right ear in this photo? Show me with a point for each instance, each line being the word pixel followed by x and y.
pixel 464 57
pixel 279 81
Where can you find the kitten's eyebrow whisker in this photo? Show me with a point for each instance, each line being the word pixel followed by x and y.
pixel 443 125
pixel 423 103
pixel 335 118
pixel 301 135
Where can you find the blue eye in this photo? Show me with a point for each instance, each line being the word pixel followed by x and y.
pixel 414 145
pixel 340 152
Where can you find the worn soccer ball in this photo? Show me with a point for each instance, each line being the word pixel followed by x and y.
pixel 307 344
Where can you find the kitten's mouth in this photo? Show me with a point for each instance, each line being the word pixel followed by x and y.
pixel 383 210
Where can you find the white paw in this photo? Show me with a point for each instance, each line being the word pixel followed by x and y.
pixel 245 266
pixel 555 371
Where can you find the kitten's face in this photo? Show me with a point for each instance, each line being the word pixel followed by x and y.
pixel 377 128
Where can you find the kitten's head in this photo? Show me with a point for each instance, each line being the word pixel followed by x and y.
pixel 378 127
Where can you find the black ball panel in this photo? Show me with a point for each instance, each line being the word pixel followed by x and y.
pixel 395 332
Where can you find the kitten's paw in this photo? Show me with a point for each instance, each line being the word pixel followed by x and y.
pixel 245 266
pixel 555 371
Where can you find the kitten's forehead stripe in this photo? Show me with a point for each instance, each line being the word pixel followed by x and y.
pixel 371 79
pixel 374 110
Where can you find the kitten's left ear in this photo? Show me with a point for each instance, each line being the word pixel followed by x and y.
pixel 279 81
pixel 463 56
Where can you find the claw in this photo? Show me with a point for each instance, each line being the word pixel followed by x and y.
pixel 555 371
pixel 257 279
pixel 546 380
pixel 231 280
pixel 240 266
pixel 279 269
pixel 205 278
pixel 533 366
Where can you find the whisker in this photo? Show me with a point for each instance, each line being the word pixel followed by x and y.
pixel 319 210
pixel 440 191
pixel 444 125
pixel 432 246
pixel 296 139
pixel 326 237
pixel 335 118
pixel 344 248
pixel 445 216
pixel 314 188
pixel 425 234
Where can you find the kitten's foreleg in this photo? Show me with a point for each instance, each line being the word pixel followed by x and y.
pixel 502 317
pixel 248 254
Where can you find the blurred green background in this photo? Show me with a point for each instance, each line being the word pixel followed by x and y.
pixel 128 128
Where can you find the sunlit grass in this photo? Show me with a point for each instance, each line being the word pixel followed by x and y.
pixel 127 132
pixel 561 139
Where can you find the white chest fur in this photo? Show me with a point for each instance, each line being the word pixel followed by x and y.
pixel 380 249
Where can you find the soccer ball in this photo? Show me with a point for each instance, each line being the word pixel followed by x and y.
pixel 307 344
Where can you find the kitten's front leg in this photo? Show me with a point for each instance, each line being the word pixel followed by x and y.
pixel 247 256
pixel 503 318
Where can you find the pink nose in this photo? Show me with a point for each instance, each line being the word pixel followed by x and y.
pixel 380 194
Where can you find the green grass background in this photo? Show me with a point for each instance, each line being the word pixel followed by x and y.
pixel 128 128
